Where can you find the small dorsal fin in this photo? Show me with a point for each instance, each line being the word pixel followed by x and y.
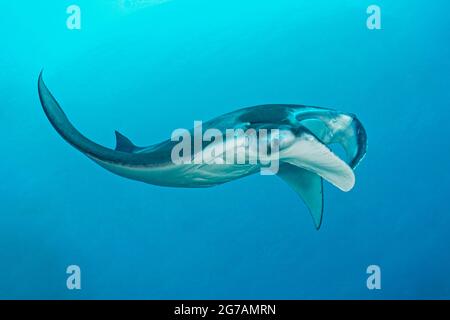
pixel 124 144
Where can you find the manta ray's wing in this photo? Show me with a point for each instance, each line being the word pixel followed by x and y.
pixel 305 164
pixel 308 185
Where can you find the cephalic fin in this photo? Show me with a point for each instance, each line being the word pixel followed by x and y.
pixel 344 129
pixel 311 154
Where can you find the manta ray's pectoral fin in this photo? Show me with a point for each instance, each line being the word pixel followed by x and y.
pixel 305 164
pixel 124 144
pixel 308 185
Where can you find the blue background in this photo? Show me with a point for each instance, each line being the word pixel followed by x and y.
pixel 148 68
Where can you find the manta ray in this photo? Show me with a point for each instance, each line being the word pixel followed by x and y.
pixel 305 155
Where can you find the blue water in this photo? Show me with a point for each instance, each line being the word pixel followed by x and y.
pixel 148 67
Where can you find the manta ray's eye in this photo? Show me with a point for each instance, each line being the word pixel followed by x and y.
pixel 279 140
pixel 285 139
pixel 276 143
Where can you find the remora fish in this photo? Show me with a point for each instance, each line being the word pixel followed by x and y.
pixel 304 156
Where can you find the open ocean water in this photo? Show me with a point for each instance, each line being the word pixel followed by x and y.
pixel 146 68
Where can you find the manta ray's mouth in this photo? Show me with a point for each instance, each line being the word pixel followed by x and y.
pixel 334 128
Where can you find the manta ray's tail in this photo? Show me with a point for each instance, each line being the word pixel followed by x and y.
pixel 62 125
